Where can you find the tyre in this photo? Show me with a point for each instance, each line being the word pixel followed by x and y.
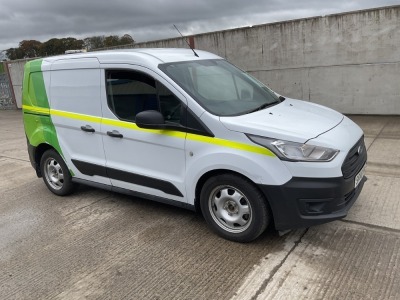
pixel 234 208
pixel 56 174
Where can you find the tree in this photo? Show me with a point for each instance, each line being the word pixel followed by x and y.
pixel 126 39
pixel 14 53
pixel 94 42
pixel 112 40
pixel 54 46
pixel 26 49
pixel 71 43
pixel 30 48
pixel 59 46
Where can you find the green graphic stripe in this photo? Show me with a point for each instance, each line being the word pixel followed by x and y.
pixel 39 127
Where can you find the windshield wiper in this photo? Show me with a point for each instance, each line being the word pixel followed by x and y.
pixel 263 106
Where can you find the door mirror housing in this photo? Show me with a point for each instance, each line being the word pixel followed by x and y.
pixel 150 119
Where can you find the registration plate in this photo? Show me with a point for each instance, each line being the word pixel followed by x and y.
pixel 359 176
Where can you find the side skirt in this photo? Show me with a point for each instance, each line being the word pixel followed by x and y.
pixel 134 193
pixel 159 184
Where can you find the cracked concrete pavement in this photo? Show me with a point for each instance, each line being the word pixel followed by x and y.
pixel 99 245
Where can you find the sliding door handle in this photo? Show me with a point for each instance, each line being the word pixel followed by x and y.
pixel 87 128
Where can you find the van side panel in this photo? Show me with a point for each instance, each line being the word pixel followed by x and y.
pixel 39 127
pixel 75 100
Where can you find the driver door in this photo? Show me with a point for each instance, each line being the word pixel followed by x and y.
pixel 142 160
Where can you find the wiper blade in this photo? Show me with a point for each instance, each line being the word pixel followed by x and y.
pixel 263 106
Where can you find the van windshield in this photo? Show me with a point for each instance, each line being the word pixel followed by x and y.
pixel 220 87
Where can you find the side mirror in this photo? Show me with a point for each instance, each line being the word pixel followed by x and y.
pixel 150 119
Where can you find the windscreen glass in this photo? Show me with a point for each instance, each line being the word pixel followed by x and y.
pixel 220 87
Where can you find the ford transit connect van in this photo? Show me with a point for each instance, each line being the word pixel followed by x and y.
pixel 195 132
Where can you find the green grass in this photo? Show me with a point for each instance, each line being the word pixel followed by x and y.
pixel 1 68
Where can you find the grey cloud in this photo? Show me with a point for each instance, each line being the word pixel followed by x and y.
pixel 147 20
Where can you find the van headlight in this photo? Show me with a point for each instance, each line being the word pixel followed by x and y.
pixel 295 151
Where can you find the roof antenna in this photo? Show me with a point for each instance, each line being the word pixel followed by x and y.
pixel 195 54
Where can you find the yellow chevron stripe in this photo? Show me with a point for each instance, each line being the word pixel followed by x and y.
pixel 133 126
pixel 35 109
pixel 75 116
pixel 229 144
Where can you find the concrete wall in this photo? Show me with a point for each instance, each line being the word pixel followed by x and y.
pixel 16 72
pixel 6 97
pixel 349 61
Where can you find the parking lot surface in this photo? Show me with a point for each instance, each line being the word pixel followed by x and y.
pixel 101 245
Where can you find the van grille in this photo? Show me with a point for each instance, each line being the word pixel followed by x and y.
pixel 355 160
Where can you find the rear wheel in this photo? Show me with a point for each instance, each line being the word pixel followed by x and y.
pixel 55 173
pixel 234 208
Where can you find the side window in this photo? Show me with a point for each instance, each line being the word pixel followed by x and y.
pixel 130 92
pixel 170 105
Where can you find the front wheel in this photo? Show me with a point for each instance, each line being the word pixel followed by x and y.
pixel 55 173
pixel 234 208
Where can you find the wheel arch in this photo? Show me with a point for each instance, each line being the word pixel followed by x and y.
pixel 216 172
pixel 39 151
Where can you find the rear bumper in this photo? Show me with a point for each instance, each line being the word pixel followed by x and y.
pixel 32 154
pixel 304 202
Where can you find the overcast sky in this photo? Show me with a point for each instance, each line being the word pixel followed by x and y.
pixel 147 20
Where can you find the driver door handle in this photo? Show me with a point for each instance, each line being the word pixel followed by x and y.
pixel 115 134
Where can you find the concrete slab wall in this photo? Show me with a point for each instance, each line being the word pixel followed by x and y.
pixel 6 98
pixel 16 71
pixel 348 61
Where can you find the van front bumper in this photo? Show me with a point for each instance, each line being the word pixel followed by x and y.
pixel 304 202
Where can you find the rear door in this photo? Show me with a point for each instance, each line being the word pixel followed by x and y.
pixel 146 161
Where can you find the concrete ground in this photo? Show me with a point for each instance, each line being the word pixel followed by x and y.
pixel 100 245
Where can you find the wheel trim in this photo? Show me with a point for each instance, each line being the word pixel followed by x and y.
pixel 53 173
pixel 230 209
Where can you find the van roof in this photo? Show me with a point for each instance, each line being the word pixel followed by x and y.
pixel 150 55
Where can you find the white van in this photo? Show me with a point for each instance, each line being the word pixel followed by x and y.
pixel 195 132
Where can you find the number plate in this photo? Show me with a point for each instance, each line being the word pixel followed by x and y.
pixel 359 176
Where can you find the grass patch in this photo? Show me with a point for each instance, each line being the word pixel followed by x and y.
pixel 1 68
